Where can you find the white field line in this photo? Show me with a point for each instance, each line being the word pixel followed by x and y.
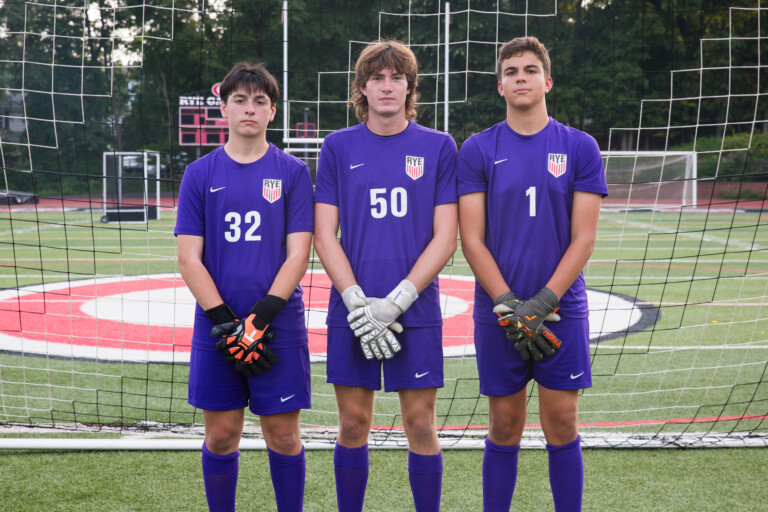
pixel 649 228
pixel 761 345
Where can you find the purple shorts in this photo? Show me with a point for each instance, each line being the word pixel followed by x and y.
pixel 418 365
pixel 503 371
pixel 215 385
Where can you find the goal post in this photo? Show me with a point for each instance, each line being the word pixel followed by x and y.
pixel 651 179
pixel 131 186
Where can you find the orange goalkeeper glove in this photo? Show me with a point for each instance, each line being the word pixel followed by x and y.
pixel 244 340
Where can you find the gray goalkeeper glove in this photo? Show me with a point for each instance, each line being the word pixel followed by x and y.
pixel 506 303
pixel 374 323
pixel 524 325
pixel 355 300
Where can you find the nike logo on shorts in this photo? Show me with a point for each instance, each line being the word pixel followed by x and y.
pixel 355 166
pixel 285 399
pixel 573 377
pixel 502 160
pixel 420 375
pixel 217 189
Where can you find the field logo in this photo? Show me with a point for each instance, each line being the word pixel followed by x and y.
pixel 556 164
pixel 154 316
pixel 272 190
pixel 414 166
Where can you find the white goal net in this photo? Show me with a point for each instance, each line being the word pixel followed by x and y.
pixel 95 321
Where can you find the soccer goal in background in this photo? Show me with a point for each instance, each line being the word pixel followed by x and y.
pixel 650 179
pixel 129 194
pixel 95 322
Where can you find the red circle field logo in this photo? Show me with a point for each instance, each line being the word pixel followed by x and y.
pixel 148 318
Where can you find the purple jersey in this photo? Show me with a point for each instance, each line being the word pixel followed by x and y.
pixel 529 181
pixel 245 211
pixel 386 189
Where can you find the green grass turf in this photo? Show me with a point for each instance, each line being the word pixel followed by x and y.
pixel 628 480
pixel 704 358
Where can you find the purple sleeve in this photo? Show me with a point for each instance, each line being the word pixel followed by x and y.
pixel 326 190
pixel 590 175
pixel 469 168
pixel 446 179
pixel 299 210
pixel 190 217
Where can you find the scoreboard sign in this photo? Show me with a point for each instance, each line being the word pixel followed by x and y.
pixel 200 120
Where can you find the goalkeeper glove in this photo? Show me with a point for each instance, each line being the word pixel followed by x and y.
pixel 506 303
pixel 244 340
pixel 524 323
pixel 355 299
pixel 221 314
pixel 375 322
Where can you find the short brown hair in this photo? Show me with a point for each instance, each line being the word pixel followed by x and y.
pixel 251 77
pixel 385 54
pixel 524 44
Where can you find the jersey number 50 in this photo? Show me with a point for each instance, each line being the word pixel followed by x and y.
pixel 252 218
pixel 398 202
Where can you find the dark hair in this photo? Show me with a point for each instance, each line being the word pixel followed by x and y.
pixel 252 78
pixel 524 44
pixel 385 54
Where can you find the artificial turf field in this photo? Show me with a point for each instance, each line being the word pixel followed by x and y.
pixel 698 368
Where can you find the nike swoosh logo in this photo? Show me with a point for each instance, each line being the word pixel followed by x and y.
pixel 217 189
pixel 502 160
pixel 355 166
pixel 576 376
pixel 286 398
pixel 420 375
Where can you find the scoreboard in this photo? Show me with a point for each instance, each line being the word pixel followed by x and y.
pixel 202 126
pixel 200 120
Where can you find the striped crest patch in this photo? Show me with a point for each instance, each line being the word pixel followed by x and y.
pixel 414 166
pixel 272 190
pixel 556 163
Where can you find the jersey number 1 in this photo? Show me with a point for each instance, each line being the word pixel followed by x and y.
pixel 531 193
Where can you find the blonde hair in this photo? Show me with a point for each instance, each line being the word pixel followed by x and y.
pixel 385 54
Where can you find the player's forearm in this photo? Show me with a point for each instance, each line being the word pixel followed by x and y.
pixel 584 218
pixel 431 262
pixel 288 278
pixel 571 264
pixel 200 283
pixel 294 267
pixel 480 260
pixel 334 261
pixel 439 250
pixel 194 273
pixel 484 267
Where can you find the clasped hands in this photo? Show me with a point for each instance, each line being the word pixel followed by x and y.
pixel 373 320
pixel 523 322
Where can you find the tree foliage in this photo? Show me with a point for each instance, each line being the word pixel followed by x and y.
pixel 107 76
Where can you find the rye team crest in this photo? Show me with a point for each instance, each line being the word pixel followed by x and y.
pixel 556 163
pixel 272 190
pixel 414 166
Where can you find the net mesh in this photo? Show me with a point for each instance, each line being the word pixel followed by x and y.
pixel 95 321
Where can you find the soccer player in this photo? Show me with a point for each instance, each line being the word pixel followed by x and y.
pixel 390 185
pixel 244 233
pixel 530 191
